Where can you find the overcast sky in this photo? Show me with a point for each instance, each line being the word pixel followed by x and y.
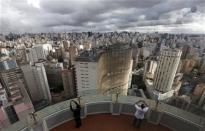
pixel 175 16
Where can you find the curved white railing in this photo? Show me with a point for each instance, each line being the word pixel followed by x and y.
pixel 160 113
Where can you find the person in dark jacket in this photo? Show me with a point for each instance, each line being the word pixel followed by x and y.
pixel 76 114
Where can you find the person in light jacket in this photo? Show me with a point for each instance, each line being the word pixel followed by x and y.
pixel 141 109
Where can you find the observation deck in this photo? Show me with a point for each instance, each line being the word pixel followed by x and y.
pixel 99 108
pixel 107 122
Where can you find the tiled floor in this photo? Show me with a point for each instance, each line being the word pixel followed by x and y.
pixel 107 122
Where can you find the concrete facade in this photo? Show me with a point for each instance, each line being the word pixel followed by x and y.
pixel 37 82
pixel 86 77
pixel 69 83
pixel 104 71
pixel 114 69
pixel 166 69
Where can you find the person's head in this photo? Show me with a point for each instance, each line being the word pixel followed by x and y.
pixel 142 106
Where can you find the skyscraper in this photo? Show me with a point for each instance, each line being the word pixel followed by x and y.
pixel 165 73
pixel 69 83
pixel 114 68
pixel 105 70
pixel 18 101
pixel 37 83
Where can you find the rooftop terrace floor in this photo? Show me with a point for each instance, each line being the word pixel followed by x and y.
pixel 107 122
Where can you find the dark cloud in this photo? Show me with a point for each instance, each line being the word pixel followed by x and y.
pixel 102 15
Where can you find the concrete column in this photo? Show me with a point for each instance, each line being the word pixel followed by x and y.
pixel 45 127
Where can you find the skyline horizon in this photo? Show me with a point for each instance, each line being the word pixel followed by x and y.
pixel 172 33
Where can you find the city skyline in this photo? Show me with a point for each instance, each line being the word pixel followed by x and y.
pixel 63 60
pixel 164 16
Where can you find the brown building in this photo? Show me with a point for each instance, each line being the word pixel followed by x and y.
pixel 199 89
pixel 199 94
pixel 188 65
pixel 114 68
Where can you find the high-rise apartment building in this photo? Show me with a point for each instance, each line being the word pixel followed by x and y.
pixel 86 77
pixel 165 73
pixel 69 83
pixel 202 64
pixel 115 68
pixel 149 69
pixel 37 83
pixel 104 70
pixel 18 103
pixel 53 72
pixel 73 53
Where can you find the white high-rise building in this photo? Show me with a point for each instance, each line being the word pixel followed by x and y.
pixel 165 73
pixel 86 75
pixel 39 52
pixel 37 82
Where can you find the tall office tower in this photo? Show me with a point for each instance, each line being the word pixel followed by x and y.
pixel 202 64
pixel 135 55
pixel 73 51
pixel 114 68
pixel 185 51
pixel 53 73
pixel 11 76
pixel 69 83
pixel 165 73
pixel 37 84
pixel 55 81
pixel 86 74
pixel 149 70
pixel 104 70
pixel 12 80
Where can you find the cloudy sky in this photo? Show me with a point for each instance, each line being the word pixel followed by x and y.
pixel 175 16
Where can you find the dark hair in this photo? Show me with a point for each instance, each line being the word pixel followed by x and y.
pixel 142 106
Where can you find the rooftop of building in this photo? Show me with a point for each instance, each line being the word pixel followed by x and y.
pixel 94 54
pixel 172 50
